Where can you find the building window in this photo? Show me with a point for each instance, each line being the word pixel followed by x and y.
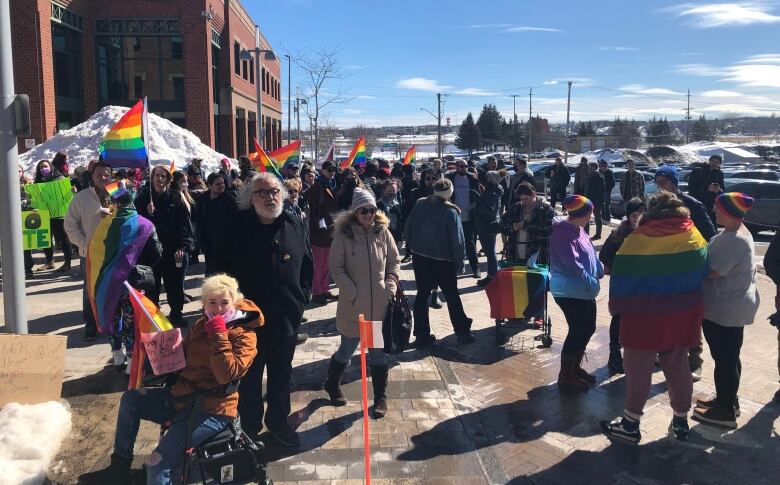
pixel 262 78
pixel 215 73
pixel 69 100
pixel 252 71
pixel 244 71
pixel 240 131
pixel 237 57
pixel 251 131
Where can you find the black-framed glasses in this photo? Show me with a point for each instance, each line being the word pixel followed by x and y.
pixel 263 193
pixel 363 211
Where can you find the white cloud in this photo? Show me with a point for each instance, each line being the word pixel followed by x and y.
pixel 762 59
pixel 761 70
pixel 365 96
pixel 525 28
pixel 617 48
pixel 488 26
pixel 641 89
pixel 705 16
pixel 699 70
pixel 551 82
pixel 720 93
pixel 476 92
pixel 422 84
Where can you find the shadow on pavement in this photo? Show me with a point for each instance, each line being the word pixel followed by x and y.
pixel 108 381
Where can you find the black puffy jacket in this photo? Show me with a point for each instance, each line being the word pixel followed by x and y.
pixel 170 218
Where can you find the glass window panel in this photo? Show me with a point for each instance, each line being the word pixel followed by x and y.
pixel 173 80
pixel 141 47
pixel 143 76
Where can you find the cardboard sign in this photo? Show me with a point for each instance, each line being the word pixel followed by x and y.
pixel 31 368
pixel 36 230
pixel 54 196
pixel 165 351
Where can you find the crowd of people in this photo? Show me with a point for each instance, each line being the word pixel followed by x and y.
pixel 282 239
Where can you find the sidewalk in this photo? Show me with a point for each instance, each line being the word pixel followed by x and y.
pixel 472 414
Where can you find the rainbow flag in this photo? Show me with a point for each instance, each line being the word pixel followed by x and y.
pixel 148 319
pixel 115 190
pixel 357 156
pixel 113 250
pixel 411 155
pixel 262 161
pixel 659 269
pixel 125 144
pixel 517 292
pixel 287 154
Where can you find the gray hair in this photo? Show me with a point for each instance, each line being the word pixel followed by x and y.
pixel 245 198
pixel 494 177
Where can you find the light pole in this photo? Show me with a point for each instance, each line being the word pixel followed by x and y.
pixel 289 101
pixel 268 55
pixel 298 103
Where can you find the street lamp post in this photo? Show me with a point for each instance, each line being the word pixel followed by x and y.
pixel 268 55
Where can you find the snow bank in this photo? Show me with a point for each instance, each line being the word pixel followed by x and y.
pixel 30 436
pixel 168 142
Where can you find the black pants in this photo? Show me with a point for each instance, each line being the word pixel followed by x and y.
pixel 429 273
pixel 173 278
pixel 470 234
pixel 614 334
pixel 58 233
pixel 276 356
pixel 606 213
pixel 725 344
pixel 597 212
pixel 581 319
pixel 557 194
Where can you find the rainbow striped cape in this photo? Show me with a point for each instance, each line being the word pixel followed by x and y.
pixel 113 250
pixel 659 269
pixel 125 144
pixel 517 292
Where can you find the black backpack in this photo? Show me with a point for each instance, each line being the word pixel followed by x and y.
pixel 397 325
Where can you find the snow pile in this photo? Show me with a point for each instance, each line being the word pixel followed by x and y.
pixel 168 142
pixel 30 436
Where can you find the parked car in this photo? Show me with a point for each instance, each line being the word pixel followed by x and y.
pixel 752 174
pixel 765 214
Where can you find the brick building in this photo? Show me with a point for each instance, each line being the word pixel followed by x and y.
pixel 73 57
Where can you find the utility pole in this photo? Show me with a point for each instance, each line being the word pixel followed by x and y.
pixel 11 229
pixel 289 100
pixel 688 119
pixel 514 122
pixel 530 121
pixel 568 111
pixel 438 120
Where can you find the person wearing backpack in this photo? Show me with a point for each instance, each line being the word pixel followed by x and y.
pixel 486 215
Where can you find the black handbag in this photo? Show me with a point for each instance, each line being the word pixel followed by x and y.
pixel 397 325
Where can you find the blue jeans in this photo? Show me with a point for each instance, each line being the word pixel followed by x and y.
pixel 154 405
pixel 488 242
pixel 348 347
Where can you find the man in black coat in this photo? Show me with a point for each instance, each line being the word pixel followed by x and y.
pixel 772 267
pixel 609 184
pixel 266 249
pixel 521 175
pixel 559 180
pixel 595 191
pixel 708 184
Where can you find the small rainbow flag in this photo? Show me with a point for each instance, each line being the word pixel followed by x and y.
pixel 517 292
pixel 116 190
pixel 125 143
pixel 262 161
pixel 148 319
pixel 287 154
pixel 411 155
pixel 357 156
pixel 172 168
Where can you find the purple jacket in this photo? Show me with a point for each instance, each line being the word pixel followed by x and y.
pixel 574 268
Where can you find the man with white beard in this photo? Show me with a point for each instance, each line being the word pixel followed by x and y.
pixel 267 251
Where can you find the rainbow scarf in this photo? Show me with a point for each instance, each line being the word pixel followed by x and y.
pixel 411 155
pixel 113 250
pixel 125 143
pixel 357 156
pixel 147 319
pixel 287 154
pixel 517 292
pixel 659 269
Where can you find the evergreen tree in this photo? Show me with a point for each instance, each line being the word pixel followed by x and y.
pixel 489 124
pixel 701 130
pixel 469 137
pixel 627 133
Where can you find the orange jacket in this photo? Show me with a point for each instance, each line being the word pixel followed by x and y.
pixel 214 360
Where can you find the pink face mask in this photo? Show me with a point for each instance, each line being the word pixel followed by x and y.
pixel 227 316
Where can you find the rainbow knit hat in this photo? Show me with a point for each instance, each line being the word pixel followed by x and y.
pixel 734 204
pixel 577 205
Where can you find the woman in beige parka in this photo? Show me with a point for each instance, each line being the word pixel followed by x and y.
pixel 364 264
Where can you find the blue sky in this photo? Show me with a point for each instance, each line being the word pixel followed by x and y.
pixel 626 58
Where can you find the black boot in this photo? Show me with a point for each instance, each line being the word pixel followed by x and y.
pixel 331 385
pixel 117 473
pixel 379 381
pixel 435 304
pixel 615 362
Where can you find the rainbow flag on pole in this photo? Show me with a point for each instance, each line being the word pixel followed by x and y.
pixel 125 144
pixel 517 292
pixel 148 319
pixel 287 154
pixel 411 155
pixel 263 162
pixel 357 156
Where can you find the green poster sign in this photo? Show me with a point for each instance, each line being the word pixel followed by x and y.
pixel 54 196
pixel 36 230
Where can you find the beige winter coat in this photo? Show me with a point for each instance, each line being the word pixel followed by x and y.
pixel 360 262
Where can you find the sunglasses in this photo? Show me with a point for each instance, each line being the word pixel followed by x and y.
pixel 366 210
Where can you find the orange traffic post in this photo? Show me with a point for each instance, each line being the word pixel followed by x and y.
pixel 364 386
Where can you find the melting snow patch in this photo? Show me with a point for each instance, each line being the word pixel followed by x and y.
pixel 30 436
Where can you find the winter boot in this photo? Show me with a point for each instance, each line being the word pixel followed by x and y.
pixel 435 303
pixel 331 385
pixel 567 377
pixel 580 372
pixel 117 473
pixel 615 362
pixel 379 380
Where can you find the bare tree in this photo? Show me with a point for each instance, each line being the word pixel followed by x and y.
pixel 362 130
pixel 318 69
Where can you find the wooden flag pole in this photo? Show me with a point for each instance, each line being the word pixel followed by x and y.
pixel 364 386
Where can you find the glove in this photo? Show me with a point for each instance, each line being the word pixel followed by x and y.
pixel 216 325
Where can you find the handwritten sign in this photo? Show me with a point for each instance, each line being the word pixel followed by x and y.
pixel 54 196
pixel 164 350
pixel 31 368
pixel 36 230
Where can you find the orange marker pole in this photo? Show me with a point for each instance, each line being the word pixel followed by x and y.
pixel 364 387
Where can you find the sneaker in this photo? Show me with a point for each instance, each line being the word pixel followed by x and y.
pixel 424 342
pixel 680 427
pixel 63 269
pixel 118 357
pixel 696 374
pixel 46 266
pixel 284 435
pixel 406 259
pixel 477 273
pixel 484 281
pixel 435 304
pixel 711 403
pixel 301 338
pixel 717 415
pixel 623 428
pixel 466 338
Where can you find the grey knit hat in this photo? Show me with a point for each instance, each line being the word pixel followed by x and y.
pixel 443 189
pixel 362 198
